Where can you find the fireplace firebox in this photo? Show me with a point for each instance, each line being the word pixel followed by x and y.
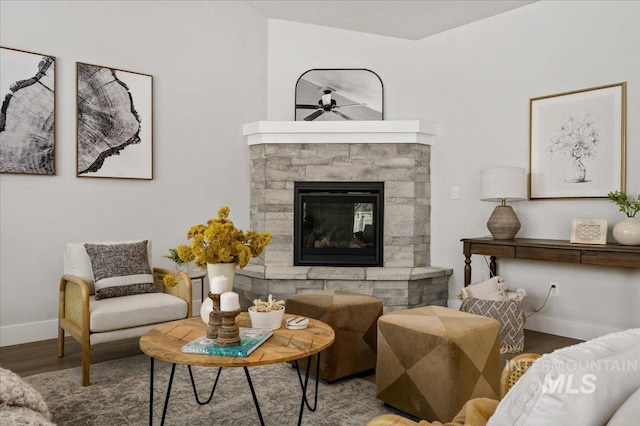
pixel 338 223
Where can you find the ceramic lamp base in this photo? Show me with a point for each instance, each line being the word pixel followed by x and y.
pixel 503 223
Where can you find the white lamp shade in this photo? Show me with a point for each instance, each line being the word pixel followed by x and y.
pixel 500 183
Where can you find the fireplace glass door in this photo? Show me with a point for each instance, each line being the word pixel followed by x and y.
pixel 338 223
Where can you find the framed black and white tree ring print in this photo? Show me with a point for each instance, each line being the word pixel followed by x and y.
pixel 577 143
pixel 114 123
pixel 27 117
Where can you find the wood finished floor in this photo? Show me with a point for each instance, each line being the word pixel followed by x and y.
pixel 40 357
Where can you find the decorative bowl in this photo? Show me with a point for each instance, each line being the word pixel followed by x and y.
pixel 271 320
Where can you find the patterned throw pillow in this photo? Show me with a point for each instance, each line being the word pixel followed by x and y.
pixel 120 269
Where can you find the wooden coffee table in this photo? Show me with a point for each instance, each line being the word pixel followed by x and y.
pixel 165 344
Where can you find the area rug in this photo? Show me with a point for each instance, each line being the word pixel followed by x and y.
pixel 119 395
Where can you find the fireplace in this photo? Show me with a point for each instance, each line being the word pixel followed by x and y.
pixel 351 170
pixel 338 223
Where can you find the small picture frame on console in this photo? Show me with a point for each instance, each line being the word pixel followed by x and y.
pixel 588 231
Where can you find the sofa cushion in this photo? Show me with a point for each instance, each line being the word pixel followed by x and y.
pixel 120 269
pixel 136 310
pixel 78 264
pixel 628 413
pixel 585 383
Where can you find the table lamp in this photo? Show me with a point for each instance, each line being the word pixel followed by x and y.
pixel 503 184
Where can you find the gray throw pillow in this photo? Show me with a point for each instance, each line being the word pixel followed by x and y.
pixel 120 269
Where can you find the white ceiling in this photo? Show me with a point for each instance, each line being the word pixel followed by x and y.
pixel 411 20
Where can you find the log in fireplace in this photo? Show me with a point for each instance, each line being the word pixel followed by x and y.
pixel 338 223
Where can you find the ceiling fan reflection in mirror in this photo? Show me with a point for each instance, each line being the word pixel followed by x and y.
pixel 332 94
pixel 327 104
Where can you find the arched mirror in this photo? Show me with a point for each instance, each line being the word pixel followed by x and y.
pixel 339 94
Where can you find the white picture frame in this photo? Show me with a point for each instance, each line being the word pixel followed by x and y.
pixel 588 231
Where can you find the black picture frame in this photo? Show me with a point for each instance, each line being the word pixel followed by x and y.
pixel 338 94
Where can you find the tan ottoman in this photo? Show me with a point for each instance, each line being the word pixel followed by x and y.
pixel 353 318
pixel 432 360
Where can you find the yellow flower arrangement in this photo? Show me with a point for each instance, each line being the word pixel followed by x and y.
pixel 219 241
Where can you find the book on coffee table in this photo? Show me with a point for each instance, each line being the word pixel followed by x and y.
pixel 250 339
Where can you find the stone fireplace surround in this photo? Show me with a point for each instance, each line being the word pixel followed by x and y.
pixel 395 152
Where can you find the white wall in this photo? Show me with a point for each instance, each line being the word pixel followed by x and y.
pixel 208 60
pixel 476 82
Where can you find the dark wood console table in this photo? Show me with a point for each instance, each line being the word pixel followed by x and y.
pixel 549 250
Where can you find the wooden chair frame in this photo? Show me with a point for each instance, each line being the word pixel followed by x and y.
pixel 73 310
pixel 515 368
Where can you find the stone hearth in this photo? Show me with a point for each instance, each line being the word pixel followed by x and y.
pixel 394 152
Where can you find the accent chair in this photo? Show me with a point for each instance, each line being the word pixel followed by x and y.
pixel 110 292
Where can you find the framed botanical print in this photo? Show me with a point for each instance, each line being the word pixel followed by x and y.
pixel 27 117
pixel 114 123
pixel 577 143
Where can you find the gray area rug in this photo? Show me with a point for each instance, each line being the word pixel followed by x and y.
pixel 119 395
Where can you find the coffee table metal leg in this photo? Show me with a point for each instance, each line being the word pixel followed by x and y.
pixel 253 394
pixel 195 392
pixel 166 399
pixel 303 385
pixel 151 392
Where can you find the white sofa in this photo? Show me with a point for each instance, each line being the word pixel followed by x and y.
pixel 584 384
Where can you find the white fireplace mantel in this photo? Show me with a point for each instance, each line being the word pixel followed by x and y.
pixel 388 131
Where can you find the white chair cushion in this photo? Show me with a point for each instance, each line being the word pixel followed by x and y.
pixel 131 311
pixel 582 384
pixel 77 262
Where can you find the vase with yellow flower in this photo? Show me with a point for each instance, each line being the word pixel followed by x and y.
pixel 218 246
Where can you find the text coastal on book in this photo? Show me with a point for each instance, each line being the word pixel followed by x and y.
pixel 250 340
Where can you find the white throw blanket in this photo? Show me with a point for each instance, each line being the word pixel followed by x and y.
pixel 21 404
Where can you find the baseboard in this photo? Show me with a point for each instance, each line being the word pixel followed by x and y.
pixel 558 326
pixel 567 328
pixel 29 332
pixel 43 330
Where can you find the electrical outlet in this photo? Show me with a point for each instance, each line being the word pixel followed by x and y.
pixel 455 192
pixel 555 291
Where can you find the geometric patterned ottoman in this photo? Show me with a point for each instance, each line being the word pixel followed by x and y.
pixel 431 360
pixel 353 317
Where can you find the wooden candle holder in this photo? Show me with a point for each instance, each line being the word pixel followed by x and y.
pixel 228 332
pixel 214 318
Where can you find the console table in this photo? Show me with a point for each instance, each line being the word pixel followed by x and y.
pixel 549 250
